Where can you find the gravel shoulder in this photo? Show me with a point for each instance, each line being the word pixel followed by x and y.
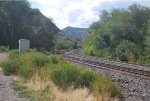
pixel 6 91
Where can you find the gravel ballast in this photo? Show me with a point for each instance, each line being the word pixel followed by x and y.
pixel 134 88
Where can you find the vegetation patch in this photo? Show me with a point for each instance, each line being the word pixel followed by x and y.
pixel 47 72
pixel 103 83
pixel 11 67
pixel 121 34
pixel 65 76
pixel 3 49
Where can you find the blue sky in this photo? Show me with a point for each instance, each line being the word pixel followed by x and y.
pixel 79 13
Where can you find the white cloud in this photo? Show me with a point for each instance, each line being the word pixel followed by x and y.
pixel 77 13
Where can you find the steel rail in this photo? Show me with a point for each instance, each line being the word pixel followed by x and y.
pixel 94 63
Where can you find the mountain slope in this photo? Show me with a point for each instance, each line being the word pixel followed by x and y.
pixel 18 20
pixel 74 31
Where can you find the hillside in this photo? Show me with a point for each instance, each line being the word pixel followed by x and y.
pixel 74 31
pixel 18 20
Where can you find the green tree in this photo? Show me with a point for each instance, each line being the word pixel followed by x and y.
pixel 120 33
pixel 18 20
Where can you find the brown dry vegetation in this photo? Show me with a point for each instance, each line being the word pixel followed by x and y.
pixel 71 94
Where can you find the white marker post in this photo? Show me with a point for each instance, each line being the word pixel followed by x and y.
pixel 24 45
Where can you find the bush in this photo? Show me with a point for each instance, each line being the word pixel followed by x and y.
pixel 3 49
pixel 65 76
pixel 85 77
pixel 39 59
pixel 124 48
pixel 61 60
pixel 26 72
pixel 103 83
pixel 14 54
pixel 99 84
pixel 68 75
pixel 53 59
pixel 143 60
pixel 114 90
pixel 88 50
pixel 11 67
pixel 24 63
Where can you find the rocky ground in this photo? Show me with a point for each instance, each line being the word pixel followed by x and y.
pixel 6 91
pixel 134 88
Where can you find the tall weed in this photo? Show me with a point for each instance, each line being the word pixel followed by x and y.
pixel 53 59
pixel 103 83
pixel 26 72
pixel 86 77
pixel 39 59
pixel 11 66
pixel 13 54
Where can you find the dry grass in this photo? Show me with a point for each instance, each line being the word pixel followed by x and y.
pixel 80 94
pixel 104 96
pixel 56 94
pixel 72 94
pixel 16 78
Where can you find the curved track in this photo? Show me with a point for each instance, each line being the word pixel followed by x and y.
pixel 105 65
pixel 133 79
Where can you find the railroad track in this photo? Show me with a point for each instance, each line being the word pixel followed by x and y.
pixel 133 79
pixel 95 62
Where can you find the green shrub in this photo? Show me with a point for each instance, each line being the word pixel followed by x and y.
pixel 20 62
pixel 61 60
pixel 124 48
pixel 143 60
pixel 65 76
pixel 39 59
pixel 14 54
pixel 26 72
pixel 99 84
pixel 68 75
pixel 3 49
pixel 104 83
pixel 11 67
pixel 88 50
pixel 85 77
pixel 53 59
pixel 114 90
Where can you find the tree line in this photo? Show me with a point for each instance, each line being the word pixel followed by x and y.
pixel 18 20
pixel 122 34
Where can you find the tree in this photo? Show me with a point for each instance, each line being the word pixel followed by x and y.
pixel 120 33
pixel 18 20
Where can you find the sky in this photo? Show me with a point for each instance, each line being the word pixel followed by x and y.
pixel 79 13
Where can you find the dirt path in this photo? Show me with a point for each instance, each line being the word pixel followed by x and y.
pixel 6 91
pixel 3 56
